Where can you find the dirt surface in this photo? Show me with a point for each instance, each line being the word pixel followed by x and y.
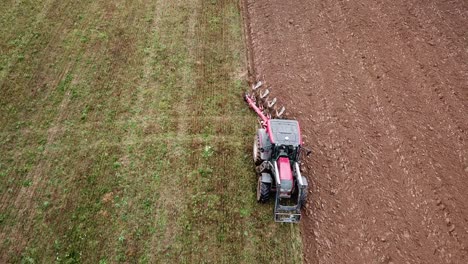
pixel 381 91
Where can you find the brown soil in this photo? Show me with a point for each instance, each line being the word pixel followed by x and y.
pixel 381 91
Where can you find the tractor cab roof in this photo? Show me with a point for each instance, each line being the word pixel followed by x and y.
pixel 284 132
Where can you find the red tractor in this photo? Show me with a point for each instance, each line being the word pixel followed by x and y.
pixel 276 154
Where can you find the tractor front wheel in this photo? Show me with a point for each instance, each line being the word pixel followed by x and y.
pixel 263 191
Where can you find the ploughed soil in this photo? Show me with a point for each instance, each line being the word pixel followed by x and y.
pixel 381 91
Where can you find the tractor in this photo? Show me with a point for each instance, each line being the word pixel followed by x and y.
pixel 276 154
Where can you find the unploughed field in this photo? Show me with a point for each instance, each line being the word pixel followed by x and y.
pixel 123 136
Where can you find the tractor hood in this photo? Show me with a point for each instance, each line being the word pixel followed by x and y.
pixel 286 177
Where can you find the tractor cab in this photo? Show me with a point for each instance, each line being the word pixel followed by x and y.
pixel 285 138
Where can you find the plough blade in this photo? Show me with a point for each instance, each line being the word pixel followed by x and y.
pixel 271 103
pixel 264 94
pixel 280 112
pixel 257 86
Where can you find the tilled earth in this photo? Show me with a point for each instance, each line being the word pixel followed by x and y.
pixel 381 91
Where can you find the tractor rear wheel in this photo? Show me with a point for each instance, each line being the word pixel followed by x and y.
pixel 257 157
pixel 263 191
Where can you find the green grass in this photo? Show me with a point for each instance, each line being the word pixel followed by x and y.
pixel 123 136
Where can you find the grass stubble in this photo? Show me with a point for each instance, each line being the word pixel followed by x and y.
pixel 124 138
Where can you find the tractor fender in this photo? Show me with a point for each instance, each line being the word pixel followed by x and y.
pixel 265 144
pixel 266 178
